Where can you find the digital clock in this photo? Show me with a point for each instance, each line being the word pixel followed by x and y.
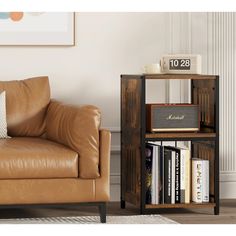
pixel 181 64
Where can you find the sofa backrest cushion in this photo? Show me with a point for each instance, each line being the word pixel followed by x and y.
pixel 77 128
pixel 26 105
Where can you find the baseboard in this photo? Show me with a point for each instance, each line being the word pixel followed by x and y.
pixel 228 185
pixel 112 129
pixel 227 190
pixel 115 187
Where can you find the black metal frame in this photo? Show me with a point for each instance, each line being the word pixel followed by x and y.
pixel 143 210
pixel 101 207
pixel 122 201
pixel 217 144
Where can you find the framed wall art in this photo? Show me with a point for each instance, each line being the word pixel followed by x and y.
pixel 37 28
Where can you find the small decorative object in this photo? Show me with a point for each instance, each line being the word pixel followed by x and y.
pixel 152 69
pixel 172 117
pixel 181 64
pixel 36 28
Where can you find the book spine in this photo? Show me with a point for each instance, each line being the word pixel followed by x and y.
pixel 182 176
pixel 157 174
pixel 177 177
pixel 187 177
pixel 197 181
pixel 162 183
pixel 149 157
pixel 153 178
pixel 167 176
pixel 173 177
pixel 205 181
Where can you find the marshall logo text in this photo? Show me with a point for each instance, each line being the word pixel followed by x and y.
pixel 175 117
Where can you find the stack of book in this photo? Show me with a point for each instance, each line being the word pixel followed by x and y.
pixel 168 177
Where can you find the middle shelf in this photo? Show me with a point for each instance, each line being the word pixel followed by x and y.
pixel 180 136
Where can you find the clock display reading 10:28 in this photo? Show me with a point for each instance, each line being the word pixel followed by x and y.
pixel 180 64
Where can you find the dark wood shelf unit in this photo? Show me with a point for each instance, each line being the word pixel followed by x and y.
pixel 205 143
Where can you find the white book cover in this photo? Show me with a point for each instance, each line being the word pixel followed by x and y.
pixel 173 177
pixel 197 180
pixel 182 175
pixel 187 176
pixel 205 181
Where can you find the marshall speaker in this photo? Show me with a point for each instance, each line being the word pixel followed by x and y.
pixel 172 117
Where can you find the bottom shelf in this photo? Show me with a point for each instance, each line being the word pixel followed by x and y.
pixel 181 205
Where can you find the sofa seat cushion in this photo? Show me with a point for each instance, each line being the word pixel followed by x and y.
pixel 34 158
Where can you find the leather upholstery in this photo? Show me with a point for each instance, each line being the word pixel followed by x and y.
pixel 77 128
pixel 24 158
pixel 70 190
pixel 26 105
pixel 102 184
pixel 72 165
pixel 46 191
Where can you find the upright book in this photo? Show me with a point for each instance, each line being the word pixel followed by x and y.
pixel 167 175
pixel 200 180
pixel 185 175
pixel 176 171
pixel 148 165
pixel 197 180
pixel 205 181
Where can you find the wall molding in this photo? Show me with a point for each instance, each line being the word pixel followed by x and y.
pixel 115 149
pixel 114 129
pixel 115 179
pixel 226 176
pixel 222 61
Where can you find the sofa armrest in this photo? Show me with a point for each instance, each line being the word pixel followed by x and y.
pixel 102 184
pixel 78 128
pixel 105 149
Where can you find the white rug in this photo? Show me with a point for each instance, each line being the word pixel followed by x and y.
pixel 137 219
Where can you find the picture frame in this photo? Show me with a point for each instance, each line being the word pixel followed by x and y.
pixel 37 29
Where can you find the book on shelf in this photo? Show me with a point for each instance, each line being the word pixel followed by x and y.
pixel 173 166
pixel 185 175
pixel 200 180
pixel 167 174
pixel 149 172
pixel 205 181
pixel 176 174
pixel 153 174
pixel 155 185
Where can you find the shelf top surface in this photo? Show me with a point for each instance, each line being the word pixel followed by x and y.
pixel 171 76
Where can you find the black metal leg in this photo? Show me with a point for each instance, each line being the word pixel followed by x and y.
pixel 216 210
pixel 122 204
pixel 102 212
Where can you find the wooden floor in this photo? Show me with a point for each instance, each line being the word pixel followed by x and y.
pixel 183 216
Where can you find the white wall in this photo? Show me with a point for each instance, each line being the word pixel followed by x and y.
pixel 107 44
pixel 110 44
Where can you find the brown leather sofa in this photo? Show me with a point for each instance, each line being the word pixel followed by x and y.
pixel 57 153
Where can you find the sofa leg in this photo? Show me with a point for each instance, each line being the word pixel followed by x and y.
pixel 102 212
